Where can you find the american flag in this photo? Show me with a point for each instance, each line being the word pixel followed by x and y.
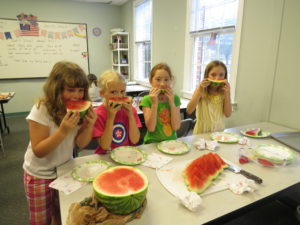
pixel 33 31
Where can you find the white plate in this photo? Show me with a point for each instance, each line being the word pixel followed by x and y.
pixel 128 155
pixel 170 176
pixel 89 170
pixel 173 147
pixel 263 133
pixel 225 137
pixel 274 153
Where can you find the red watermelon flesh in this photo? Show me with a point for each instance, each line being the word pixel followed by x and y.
pixel 120 181
pixel 80 106
pixel 199 174
pixel 119 101
pixel 254 132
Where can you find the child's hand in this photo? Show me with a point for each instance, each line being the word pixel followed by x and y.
pixel 113 107
pixel 128 107
pixel 203 85
pixel 154 92
pixel 90 118
pixel 169 93
pixel 69 121
pixel 226 88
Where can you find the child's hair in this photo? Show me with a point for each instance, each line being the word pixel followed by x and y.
pixel 92 79
pixel 160 66
pixel 212 65
pixel 109 76
pixel 64 74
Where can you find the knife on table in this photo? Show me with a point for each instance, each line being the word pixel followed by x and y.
pixel 236 169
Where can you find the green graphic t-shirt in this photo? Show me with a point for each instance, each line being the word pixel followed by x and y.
pixel 163 130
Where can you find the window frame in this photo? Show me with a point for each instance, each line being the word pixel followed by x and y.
pixel 189 37
pixel 135 76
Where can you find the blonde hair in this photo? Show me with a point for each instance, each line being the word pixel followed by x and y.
pixel 109 76
pixel 64 74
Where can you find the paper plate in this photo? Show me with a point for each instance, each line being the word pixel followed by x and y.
pixel 89 170
pixel 264 133
pixel 128 155
pixel 173 147
pixel 274 153
pixel 225 137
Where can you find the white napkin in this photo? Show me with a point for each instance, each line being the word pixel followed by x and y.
pixel 66 183
pixel 191 200
pixel 204 144
pixel 242 185
pixel 156 161
pixel 244 141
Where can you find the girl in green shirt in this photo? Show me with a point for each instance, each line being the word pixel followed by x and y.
pixel 161 107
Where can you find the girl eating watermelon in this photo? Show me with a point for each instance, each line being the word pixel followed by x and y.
pixel 161 107
pixel 118 122
pixel 53 133
pixel 211 99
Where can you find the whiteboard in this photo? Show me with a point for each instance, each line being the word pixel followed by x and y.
pixel 29 50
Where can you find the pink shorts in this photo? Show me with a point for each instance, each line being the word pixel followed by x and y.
pixel 41 199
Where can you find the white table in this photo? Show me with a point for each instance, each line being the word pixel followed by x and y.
pixel 163 208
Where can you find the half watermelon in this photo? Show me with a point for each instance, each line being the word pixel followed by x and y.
pixel 121 189
pixel 216 82
pixel 80 106
pixel 199 173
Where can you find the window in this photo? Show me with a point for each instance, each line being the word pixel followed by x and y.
pixel 142 39
pixel 211 35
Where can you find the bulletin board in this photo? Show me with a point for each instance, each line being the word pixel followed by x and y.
pixel 29 50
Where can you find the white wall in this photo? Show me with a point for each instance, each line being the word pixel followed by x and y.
pixel 94 14
pixel 285 105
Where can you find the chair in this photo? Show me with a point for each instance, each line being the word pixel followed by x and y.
pixel 143 93
pixel 91 146
pixel 185 126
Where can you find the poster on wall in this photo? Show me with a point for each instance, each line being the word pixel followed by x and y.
pixel 30 48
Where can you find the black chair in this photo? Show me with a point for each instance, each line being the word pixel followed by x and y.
pixel 185 126
pixel 143 93
pixel 91 146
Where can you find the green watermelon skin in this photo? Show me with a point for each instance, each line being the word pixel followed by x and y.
pixel 200 173
pixel 80 106
pixel 216 82
pixel 121 204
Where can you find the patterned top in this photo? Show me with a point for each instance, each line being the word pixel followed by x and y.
pixel 209 114
pixel 163 130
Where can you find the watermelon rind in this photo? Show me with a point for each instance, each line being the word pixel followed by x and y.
pixel 121 204
pixel 204 169
pixel 83 110
pixel 116 159
pixel 90 165
pixel 274 153
pixel 162 147
pixel 235 137
pixel 216 82
pixel 263 133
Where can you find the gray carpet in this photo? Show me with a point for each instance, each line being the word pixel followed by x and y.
pixel 13 206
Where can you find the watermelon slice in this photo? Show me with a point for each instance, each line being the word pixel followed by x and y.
pixel 216 82
pixel 121 189
pixel 80 106
pixel 119 101
pixel 198 175
pixel 162 91
pixel 254 132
